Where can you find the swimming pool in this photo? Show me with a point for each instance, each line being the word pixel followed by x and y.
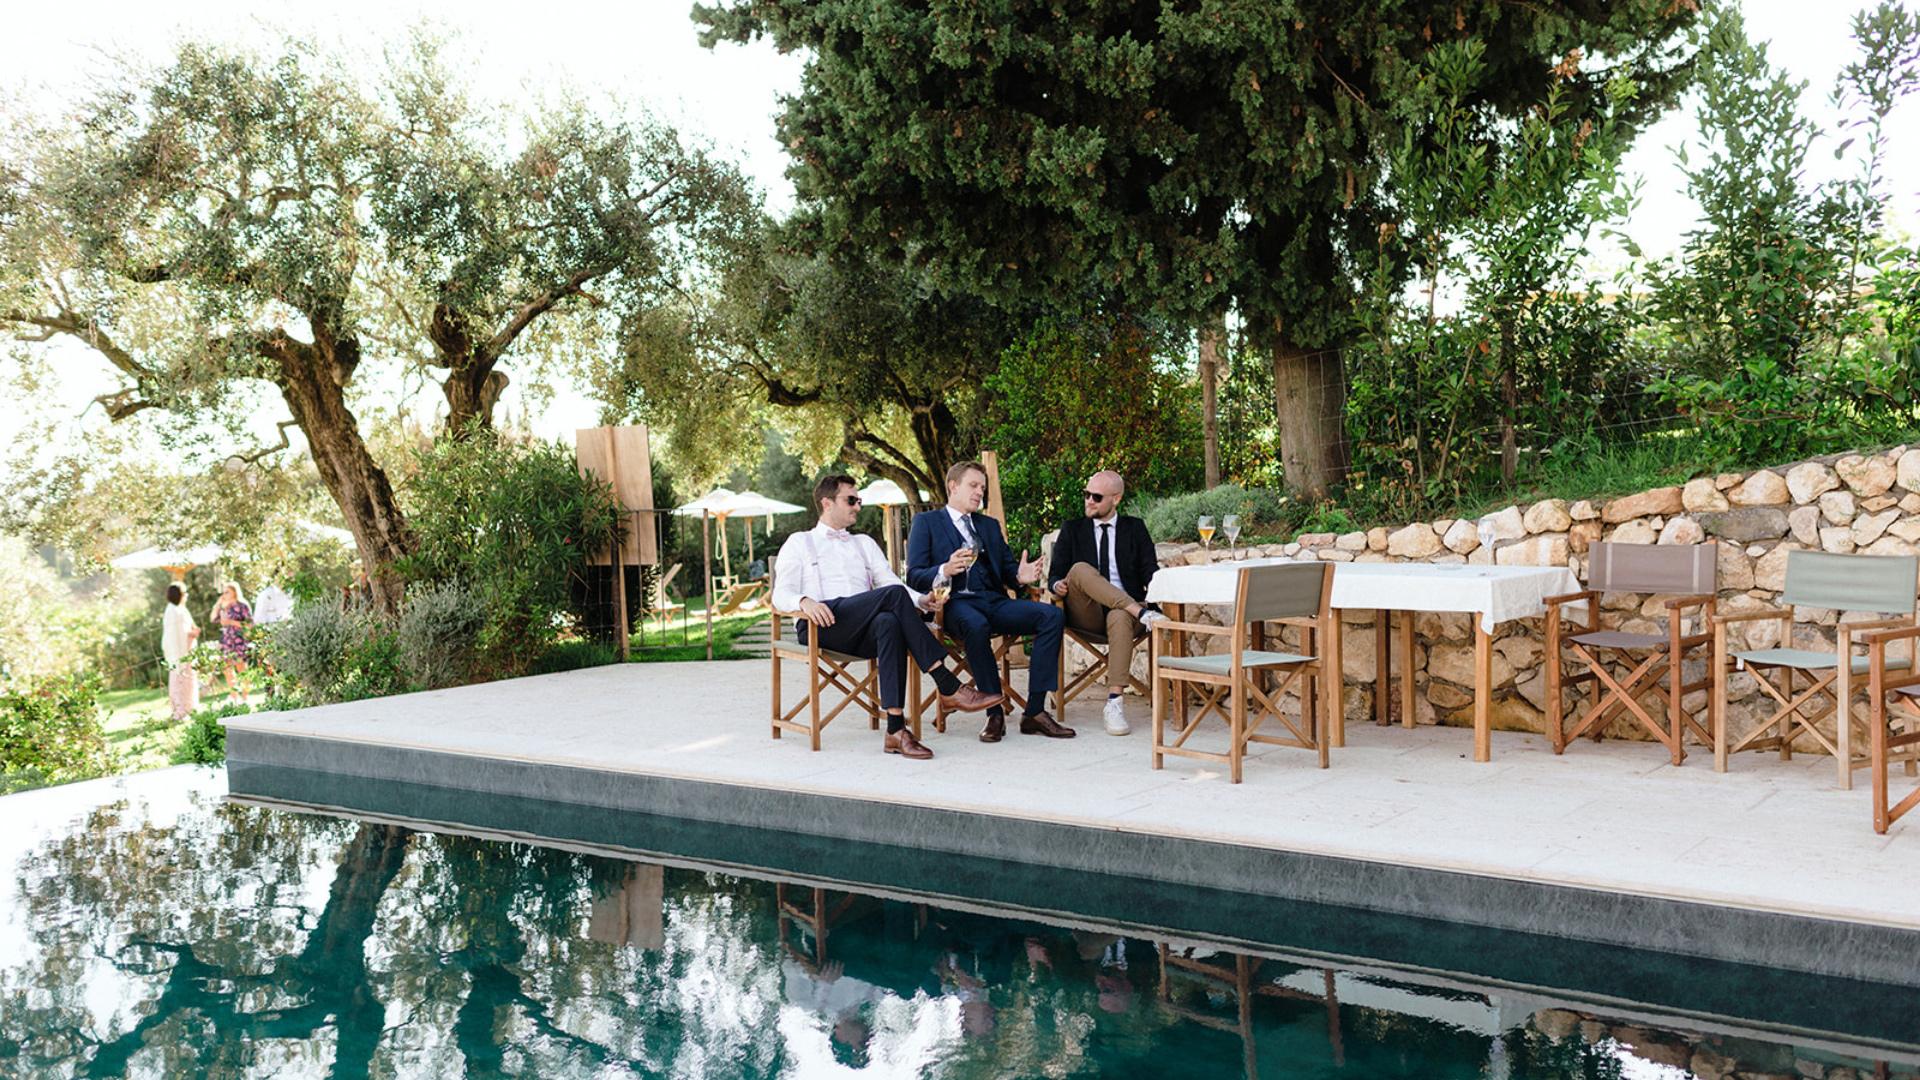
pixel 152 927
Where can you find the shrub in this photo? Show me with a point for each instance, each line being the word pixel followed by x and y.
pixel 50 731
pixel 1175 517
pixel 205 741
pixel 312 645
pixel 438 628
pixel 512 523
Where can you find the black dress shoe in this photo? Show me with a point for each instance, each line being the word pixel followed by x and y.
pixel 1043 723
pixel 995 730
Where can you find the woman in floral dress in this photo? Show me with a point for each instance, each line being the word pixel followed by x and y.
pixel 233 616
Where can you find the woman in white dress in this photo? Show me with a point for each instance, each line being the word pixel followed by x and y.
pixel 177 636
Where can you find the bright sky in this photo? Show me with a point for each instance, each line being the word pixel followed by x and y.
pixel 645 50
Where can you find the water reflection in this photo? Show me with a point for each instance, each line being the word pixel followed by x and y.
pixel 225 941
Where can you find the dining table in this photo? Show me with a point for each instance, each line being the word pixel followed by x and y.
pixel 1491 594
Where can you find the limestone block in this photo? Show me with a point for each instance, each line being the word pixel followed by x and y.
pixel 1373 557
pixel 1804 523
pixel 1195 558
pixel 1461 537
pixel 1866 475
pixel 1907 529
pixel 1416 541
pixel 1335 555
pixel 1634 532
pixel 1442 625
pixel 1890 545
pixel 1454 664
pixel 1448 696
pixel 1547 549
pixel 1808 480
pixel 1480 556
pixel 1770 572
pixel 1906 471
pixel 1764 488
pixel 1665 500
pixel 1869 527
pixel 1700 496
pixel 1314 539
pixel 1582 535
pixel 1747 524
pixel 1838 507
pixel 1910 502
pixel 1728 480
pixel 1837 539
pixel 1534 688
pixel 1500 525
pixel 1682 530
pixel 1351 541
pixel 1448 559
pixel 1878 503
pixel 1735 570
pixel 1521 650
pixel 1584 510
pixel 1547 516
pixel 1377 539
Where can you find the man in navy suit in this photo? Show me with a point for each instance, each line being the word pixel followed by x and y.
pixel 980 607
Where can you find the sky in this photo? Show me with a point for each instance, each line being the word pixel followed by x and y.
pixel 645 51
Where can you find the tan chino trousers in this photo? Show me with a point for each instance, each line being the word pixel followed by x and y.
pixel 1095 605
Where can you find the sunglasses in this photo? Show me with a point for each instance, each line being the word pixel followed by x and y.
pixel 1094 496
pixel 852 500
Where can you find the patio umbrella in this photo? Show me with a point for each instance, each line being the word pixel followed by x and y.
pixel 711 503
pixel 887 495
pixel 175 561
pixel 327 532
pixel 752 504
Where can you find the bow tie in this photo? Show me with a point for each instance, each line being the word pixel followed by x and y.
pixel 839 534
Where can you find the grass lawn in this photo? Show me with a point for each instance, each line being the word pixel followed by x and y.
pixel 658 648
pixel 141 733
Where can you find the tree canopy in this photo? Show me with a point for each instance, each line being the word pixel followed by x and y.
pixel 1187 157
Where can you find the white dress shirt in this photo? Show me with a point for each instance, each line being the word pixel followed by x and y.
pixel 175 626
pixel 272 605
pixel 1112 525
pixel 827 564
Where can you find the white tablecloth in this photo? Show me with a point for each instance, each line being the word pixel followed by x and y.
pixel 1495 593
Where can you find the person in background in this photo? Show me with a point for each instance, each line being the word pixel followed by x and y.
pixel 272 605
pixel 1102 563
pixel 232 615
pixel 177 637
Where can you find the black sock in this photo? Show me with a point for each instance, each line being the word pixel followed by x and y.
pixel 896 722
pixel 1111 694
pixel 996 713
pixel 944 679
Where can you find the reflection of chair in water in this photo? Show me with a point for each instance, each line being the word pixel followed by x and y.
pixel 817 917
pixel 633 912
pixel 1234 974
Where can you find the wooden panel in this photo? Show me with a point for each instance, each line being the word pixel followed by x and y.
pixel 995 508
pixel 620 456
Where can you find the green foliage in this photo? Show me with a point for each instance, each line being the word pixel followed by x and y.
pixel 1075 398
pixel 512 524
pixel 50 731
pixel 437 632
pixel 1175 517
pixel 204 742
pixel 311 647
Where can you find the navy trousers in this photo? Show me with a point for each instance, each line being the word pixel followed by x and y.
pixel 882 625
pixel 976 617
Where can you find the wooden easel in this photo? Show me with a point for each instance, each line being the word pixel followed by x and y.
pixel 620 456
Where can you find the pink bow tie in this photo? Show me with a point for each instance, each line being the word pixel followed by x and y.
pixel 839 534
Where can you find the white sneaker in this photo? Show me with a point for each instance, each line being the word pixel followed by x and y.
pixel 1116 716
pixel 1148 617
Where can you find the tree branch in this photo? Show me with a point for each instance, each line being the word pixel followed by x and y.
pixel 536 307
pixel 66 322
pixel 282 426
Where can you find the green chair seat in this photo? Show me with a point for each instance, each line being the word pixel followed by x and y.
pixel 1222 663
pixel 1807 660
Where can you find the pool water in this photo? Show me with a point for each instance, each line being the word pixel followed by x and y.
pixel 150 927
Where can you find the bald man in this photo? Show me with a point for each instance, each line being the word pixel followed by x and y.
pixel 1101 566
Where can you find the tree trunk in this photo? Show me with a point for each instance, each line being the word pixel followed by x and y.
pixel 1309 403
pixel 1211 335
pixel 313 390
pixel 472 387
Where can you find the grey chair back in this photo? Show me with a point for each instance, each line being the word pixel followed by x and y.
pixel 1283 591
pixel 1822 579
pixel 1683 569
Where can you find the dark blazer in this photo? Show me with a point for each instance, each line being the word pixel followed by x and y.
pixel 1132 553
pixel 934 537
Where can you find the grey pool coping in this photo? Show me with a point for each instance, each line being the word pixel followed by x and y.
pixel 1738 934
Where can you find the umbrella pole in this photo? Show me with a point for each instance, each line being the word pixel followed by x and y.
pixel 893 539
pixel 748 522
pixel 706 568
pixel 726 558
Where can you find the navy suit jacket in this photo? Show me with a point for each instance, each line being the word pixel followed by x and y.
pixel 933 539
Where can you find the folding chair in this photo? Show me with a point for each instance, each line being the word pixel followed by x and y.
pixel 1815 579
pixel 1883 682
pixel 1689 570
pixel 1294 594
pixel 660 604
pixel 826 670
pixel 742 597
pixel 919 699
pixel 1095 643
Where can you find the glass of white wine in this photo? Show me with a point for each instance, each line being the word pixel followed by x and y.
pixel 1231 526
pixel 1206 531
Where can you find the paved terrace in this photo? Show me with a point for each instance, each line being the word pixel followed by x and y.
pixel 1768 864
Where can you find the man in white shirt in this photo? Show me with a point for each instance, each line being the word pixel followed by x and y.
pixel 841 582
pixel 177 637
pixel 271 606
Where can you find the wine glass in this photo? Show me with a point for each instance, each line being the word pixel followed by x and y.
pixel 1231 526
pixel 1206 531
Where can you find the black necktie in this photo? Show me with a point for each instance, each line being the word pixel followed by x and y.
pixel 1106 560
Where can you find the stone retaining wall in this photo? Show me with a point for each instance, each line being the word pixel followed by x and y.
pixel 1864 503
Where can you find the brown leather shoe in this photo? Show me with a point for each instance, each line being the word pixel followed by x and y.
pixel 970 699
pixel 903 743
pixel 1043 723
pixel 995 730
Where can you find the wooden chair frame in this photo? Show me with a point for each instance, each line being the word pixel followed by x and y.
pixel 826 670
pixel 1228 694
pixel 1831 690
pixel 1886 747
pixel 920 699
pixel 1661 672
pixel 1095 643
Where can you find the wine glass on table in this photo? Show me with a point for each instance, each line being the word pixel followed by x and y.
pixel 1206 532
pixel 1231 526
